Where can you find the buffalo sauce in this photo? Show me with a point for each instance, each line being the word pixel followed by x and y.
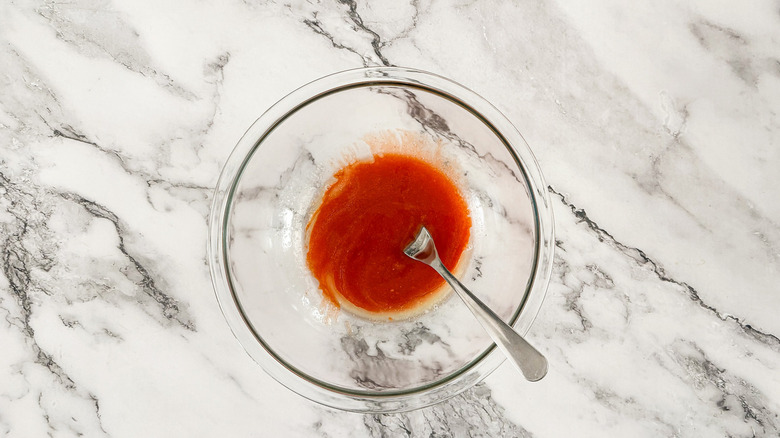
pixel 357 235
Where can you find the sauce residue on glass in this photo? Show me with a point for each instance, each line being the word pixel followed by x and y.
pixel 367 217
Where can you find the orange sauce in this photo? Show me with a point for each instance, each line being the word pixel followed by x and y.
pixel 367 217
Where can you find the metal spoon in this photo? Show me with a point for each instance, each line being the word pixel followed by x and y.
pixel 526 358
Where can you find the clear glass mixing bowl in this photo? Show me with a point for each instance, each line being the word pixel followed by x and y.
pixel 257 251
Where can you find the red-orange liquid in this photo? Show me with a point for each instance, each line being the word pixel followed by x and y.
pixel 366 219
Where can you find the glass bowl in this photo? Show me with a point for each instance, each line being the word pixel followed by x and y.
pixel 269 188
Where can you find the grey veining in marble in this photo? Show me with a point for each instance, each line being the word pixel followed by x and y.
pixel 656 126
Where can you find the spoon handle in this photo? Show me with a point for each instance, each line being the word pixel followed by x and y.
pixel 525 357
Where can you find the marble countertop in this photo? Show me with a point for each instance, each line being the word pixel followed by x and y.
pixel 656 127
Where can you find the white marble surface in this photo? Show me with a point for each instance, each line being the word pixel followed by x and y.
pixel 656 125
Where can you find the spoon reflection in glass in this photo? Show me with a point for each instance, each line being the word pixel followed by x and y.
pixel 526 358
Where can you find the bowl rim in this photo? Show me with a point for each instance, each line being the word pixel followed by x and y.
pixel 374 401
